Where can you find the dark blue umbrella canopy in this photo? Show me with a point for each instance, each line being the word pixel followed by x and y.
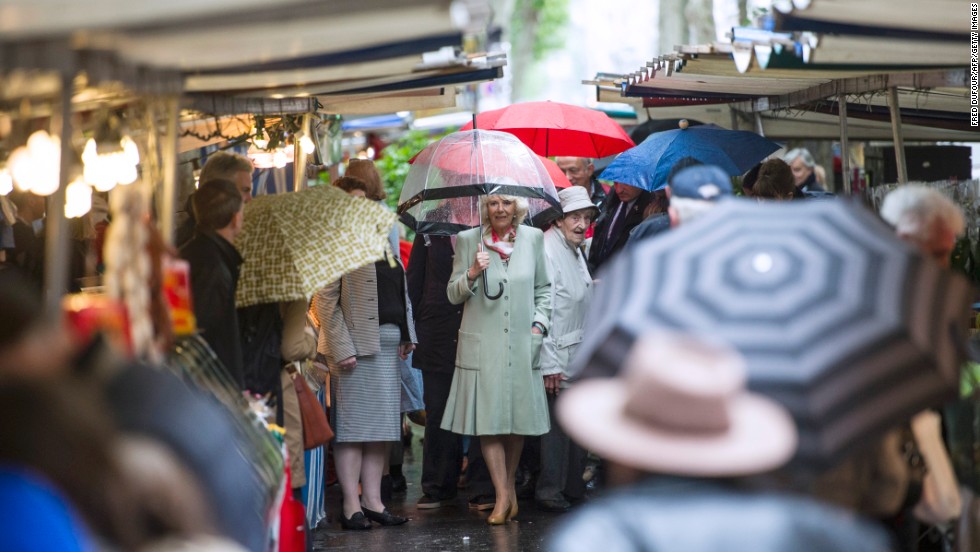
pixel 848 327
pixel 648 164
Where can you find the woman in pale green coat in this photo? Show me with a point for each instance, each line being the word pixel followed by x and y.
pixel 497 391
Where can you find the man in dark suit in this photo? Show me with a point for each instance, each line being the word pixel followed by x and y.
pixel 623 211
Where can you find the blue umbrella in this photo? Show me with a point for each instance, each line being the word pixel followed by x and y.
pixel 648 164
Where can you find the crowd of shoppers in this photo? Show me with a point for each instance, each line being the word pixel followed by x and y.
pixel 494 316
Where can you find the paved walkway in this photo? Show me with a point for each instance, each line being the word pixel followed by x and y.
pixel 450 528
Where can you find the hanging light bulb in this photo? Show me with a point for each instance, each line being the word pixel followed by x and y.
pixel 78 198
pixel 19 165
pixel 280 159
pixel 125 172
pixel 110 160
pixel 132 153
pixel 97 170
pixel 260 138
pixel 35 167
pixel 6 182
pixel 306 144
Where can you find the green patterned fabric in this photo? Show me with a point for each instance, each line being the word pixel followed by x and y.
pixel 296 243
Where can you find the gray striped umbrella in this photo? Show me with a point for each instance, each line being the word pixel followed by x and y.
pixel 848 327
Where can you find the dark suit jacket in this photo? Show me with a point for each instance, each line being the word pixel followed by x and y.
pixel 214 276
pixel 437 320
pixel 634 216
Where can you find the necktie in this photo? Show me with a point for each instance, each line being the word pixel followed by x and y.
pixel 615 229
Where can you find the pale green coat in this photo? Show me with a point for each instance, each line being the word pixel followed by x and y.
pixel 497 387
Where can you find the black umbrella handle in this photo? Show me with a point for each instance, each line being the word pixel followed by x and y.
pixel 486 288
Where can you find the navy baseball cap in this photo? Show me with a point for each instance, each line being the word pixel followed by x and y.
pixel 705 182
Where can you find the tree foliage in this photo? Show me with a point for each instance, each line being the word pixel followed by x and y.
pixel 544 20
pixel 394 165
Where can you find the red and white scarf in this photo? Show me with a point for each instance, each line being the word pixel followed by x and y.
pixel 503 245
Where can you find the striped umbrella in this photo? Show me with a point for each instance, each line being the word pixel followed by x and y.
pixel 848 327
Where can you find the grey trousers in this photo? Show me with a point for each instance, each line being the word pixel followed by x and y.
pixel 562 464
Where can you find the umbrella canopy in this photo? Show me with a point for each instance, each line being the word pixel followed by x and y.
pixel 554 128
pixel 296 243
pixel 848 327
pixel 647 165
pixel 650 126
pixel 558 177
pixel 442 189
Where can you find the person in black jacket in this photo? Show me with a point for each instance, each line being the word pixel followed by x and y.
pixel 623 211
pixel 214 270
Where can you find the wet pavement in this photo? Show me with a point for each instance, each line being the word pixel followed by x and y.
pixel 449 528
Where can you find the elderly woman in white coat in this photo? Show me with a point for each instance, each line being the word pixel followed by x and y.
pixel 562 461
pixel 497 391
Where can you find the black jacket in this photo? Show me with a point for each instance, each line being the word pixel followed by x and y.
pixel 437 320
pixel 634 216
pixel 214 276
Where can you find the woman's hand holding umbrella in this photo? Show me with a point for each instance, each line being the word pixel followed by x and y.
pixel 480 263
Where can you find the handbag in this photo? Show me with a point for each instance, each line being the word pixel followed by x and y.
pixel 316 428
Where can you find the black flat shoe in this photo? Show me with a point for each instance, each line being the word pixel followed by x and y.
pixel 356 522
pixel 385 517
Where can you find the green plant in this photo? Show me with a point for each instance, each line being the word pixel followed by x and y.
pixel 394 165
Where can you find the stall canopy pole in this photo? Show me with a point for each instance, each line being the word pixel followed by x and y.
pixel 299 158
pixel 845 154
pixel 758 124
pixel 903 175
pixel 56 229
pixel 168 207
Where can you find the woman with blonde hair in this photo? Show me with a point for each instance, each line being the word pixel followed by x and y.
pixel 497 391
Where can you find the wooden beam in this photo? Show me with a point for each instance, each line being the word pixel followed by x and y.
pixel 897 139
pixel 216 104
pixel 845 156
pixel 956 78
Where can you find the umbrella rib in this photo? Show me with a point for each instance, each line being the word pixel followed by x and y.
pixel 472 190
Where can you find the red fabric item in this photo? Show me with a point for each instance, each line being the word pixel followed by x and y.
pixel 292 520
pixel 405 250
pixel 556 174
pixel 554 128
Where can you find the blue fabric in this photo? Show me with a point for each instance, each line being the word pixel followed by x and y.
pixel 411 386
pixel 34 518
pixel 314 491
pixel 705 182
pixel 648 164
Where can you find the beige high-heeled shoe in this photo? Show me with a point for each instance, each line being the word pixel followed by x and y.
pixel 512 511
pixel 500 519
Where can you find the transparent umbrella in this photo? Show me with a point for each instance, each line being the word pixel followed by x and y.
pixel 442 190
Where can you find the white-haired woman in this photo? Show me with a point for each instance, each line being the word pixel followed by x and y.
pixel 497 391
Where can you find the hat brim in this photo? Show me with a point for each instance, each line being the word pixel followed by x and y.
pixel 761 437
pixel 579 206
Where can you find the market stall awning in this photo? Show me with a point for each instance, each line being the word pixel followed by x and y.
pixel 822 51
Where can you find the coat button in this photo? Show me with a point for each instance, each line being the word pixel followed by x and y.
pixel 506 314
pixel 506 297
pixel 505 330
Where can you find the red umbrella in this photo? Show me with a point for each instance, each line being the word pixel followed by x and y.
pixel 553 128
pixel 556 174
